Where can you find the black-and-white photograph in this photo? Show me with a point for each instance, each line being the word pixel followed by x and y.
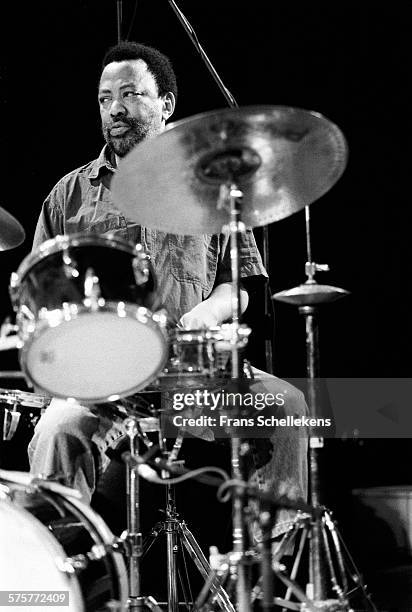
pixel 205 330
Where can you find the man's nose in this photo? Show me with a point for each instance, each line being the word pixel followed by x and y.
pixel 117 108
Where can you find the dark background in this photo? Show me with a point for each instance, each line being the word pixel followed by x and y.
pixel 349 62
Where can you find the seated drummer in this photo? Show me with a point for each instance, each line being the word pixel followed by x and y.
pixel 137 95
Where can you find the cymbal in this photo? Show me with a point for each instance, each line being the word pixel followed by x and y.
pixel 281 158
pixel 11 232
pixel 310 294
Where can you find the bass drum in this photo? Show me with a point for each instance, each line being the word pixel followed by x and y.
pixel 52 542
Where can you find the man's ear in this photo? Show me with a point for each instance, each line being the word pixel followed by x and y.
pixel 169 103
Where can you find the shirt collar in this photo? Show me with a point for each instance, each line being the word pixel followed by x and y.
pixel 101 164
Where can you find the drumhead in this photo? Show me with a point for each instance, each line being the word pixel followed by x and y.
pixel 97 356
pixel 31 559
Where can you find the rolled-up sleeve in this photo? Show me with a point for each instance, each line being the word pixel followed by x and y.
pixel 251 264
pixel 50 222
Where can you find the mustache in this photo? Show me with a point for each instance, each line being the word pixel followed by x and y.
pixel 123 121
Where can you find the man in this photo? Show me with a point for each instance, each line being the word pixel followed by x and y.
pixel 137 95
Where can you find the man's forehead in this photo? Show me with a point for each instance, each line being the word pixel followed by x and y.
pixel 125 71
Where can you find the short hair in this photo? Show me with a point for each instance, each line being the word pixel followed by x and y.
pixel 159 64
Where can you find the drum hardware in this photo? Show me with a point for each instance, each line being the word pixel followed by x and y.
pixel 324 547
pixel 178 535
pixel 11 233
pixel 261 554
pixel 11 374
pixel 8 336
pixel 21 402
pixel 131 539
pixel 10 342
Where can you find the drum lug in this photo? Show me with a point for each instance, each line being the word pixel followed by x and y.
pixel 72 565
pixel 141 268
pixel 119 544
pixel 160 317
pixel 247 369
pixel 70 269
pixel 92 292
pixel 14 289
pixel 11 420
pixel 78 563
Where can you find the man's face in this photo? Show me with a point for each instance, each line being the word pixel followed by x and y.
pixel 130 106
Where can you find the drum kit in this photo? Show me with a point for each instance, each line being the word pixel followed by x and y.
pixel 216 172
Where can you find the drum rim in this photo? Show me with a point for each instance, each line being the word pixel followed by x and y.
pixel 140 313
pixel 216 333
pixel 17 396
pixel 61 241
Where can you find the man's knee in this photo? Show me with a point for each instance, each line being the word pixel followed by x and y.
pixel 63 418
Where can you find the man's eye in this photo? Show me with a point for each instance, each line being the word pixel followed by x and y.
pixel 104 100
pixel 131 94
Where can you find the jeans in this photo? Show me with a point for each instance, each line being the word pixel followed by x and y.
pixel 70 439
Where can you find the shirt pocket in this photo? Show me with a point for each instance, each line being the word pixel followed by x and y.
pixel 118 226
pixel 193 259
pixel 110 224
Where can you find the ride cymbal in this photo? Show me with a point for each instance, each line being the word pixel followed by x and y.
pixel 281 158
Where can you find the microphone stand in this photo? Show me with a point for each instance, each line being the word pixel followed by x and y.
pixel 119 19
pixel 230 99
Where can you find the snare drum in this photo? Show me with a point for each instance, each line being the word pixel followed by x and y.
pixel 200 358
pixel 84 313
pixel 53 543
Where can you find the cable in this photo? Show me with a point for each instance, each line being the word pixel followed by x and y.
pixel 145 471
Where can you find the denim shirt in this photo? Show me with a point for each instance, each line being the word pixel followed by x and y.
pixel 186 268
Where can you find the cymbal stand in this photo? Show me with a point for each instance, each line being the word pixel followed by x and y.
pixel 179 536
pixel 132 537
pixel 229 198
pixel 308 297
pixel 239 570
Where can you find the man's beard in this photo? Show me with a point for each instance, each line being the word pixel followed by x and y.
pixel 121 145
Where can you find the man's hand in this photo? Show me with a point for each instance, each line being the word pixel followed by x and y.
pixel 213 311
pixel 199 317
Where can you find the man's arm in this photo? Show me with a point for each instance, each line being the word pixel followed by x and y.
pixel 215 309
pixel 217 306
pixel 50 222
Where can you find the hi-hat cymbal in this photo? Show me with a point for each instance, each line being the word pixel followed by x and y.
pixel 310 294
pixel 11 232
pixel 281 158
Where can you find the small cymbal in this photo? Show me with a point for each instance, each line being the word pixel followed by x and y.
pixel 11 232
pixel 281 158
pixel 310 294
